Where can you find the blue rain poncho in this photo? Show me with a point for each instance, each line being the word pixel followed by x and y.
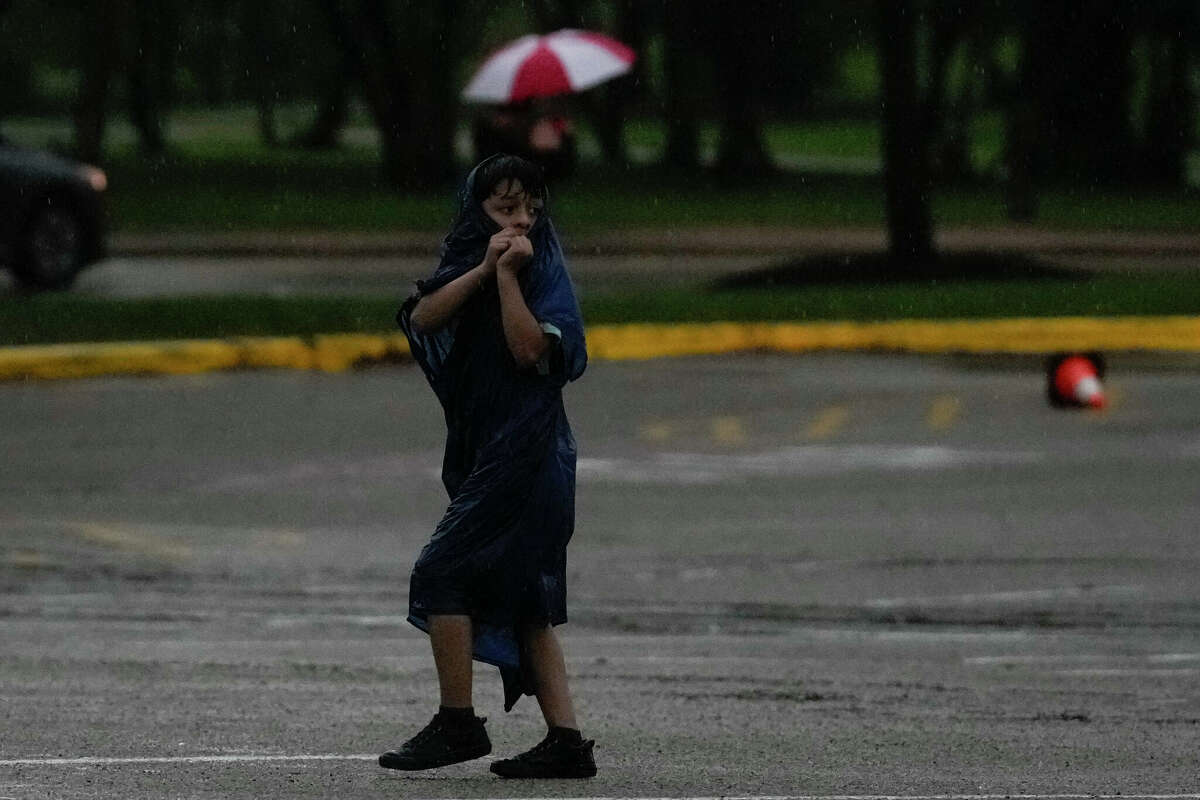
pixel 499 552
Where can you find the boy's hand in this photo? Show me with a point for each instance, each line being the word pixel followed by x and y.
pixel 519 251
pixel 497 245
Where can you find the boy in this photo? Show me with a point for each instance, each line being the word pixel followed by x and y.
pixel 498 333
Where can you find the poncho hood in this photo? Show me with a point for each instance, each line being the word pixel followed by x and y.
pixel 545 283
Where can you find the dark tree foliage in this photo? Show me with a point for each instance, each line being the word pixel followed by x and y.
pixel 1173 37
pixel 717 65
pixel 403 56
pixel 1071 114
pixel 1100 91
pixel 208 51
pixel 18 87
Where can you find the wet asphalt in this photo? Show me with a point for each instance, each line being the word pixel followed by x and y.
pixel 837 574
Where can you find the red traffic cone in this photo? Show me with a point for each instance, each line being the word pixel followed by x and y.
pixel 1073 380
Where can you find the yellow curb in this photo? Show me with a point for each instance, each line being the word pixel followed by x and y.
pixel 1028 335
pixel 331 353
pixel 274 352
pixel 336 352
pixel 122 358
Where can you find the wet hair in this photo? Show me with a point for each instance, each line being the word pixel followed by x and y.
pixel 500 168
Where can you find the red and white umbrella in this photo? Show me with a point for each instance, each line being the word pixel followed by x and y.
pixel 541 66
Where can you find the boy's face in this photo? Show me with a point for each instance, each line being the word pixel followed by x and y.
pixel 510 206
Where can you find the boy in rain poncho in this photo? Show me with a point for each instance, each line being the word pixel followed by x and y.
pixel 498 333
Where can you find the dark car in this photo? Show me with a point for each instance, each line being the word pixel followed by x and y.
pixel 51 216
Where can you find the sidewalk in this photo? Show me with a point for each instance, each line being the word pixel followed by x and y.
pixel 681 241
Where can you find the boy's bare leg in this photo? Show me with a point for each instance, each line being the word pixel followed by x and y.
pixel 450 635
pixel 563 753
pixel 454 734
pixel 550 677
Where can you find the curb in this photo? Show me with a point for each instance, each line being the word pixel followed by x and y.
pixel 338 352
pixel 1031 336
pixel 328 353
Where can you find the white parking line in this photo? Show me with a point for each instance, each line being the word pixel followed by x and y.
pixel 1125 673
pixel 892 797
pixel 1023 596
pixel 213 759
pixel 1057 658
pixel 1050 659
pixel 787 462
pixel 250 758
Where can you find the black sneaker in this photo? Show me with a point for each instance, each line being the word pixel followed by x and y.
pixel 562 754
pixel 440 743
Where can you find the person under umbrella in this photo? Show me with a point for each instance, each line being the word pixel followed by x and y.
pixel 519 85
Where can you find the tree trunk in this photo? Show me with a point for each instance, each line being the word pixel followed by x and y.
pixel 1021 124
pixel 409 89
pixel 1020 136
pixel 683 101
pixel 1081 79
pixel 215 50
pixel 387 90
pixel 1170 102
pixel 740 45
pixel 435 134
pixel 617 97
pixel 149 69
pixel 100 51
pixel 910 229
pixel 333 111
pixel 954 149
pixel 261 57
pixel 944 118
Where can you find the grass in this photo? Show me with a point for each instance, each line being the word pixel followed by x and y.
pixel 72 318
pixel 191 193
pixel 219 177
pixel 1104 296
pixel 59 318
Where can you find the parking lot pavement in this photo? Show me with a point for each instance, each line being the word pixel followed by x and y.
pixel 791 576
